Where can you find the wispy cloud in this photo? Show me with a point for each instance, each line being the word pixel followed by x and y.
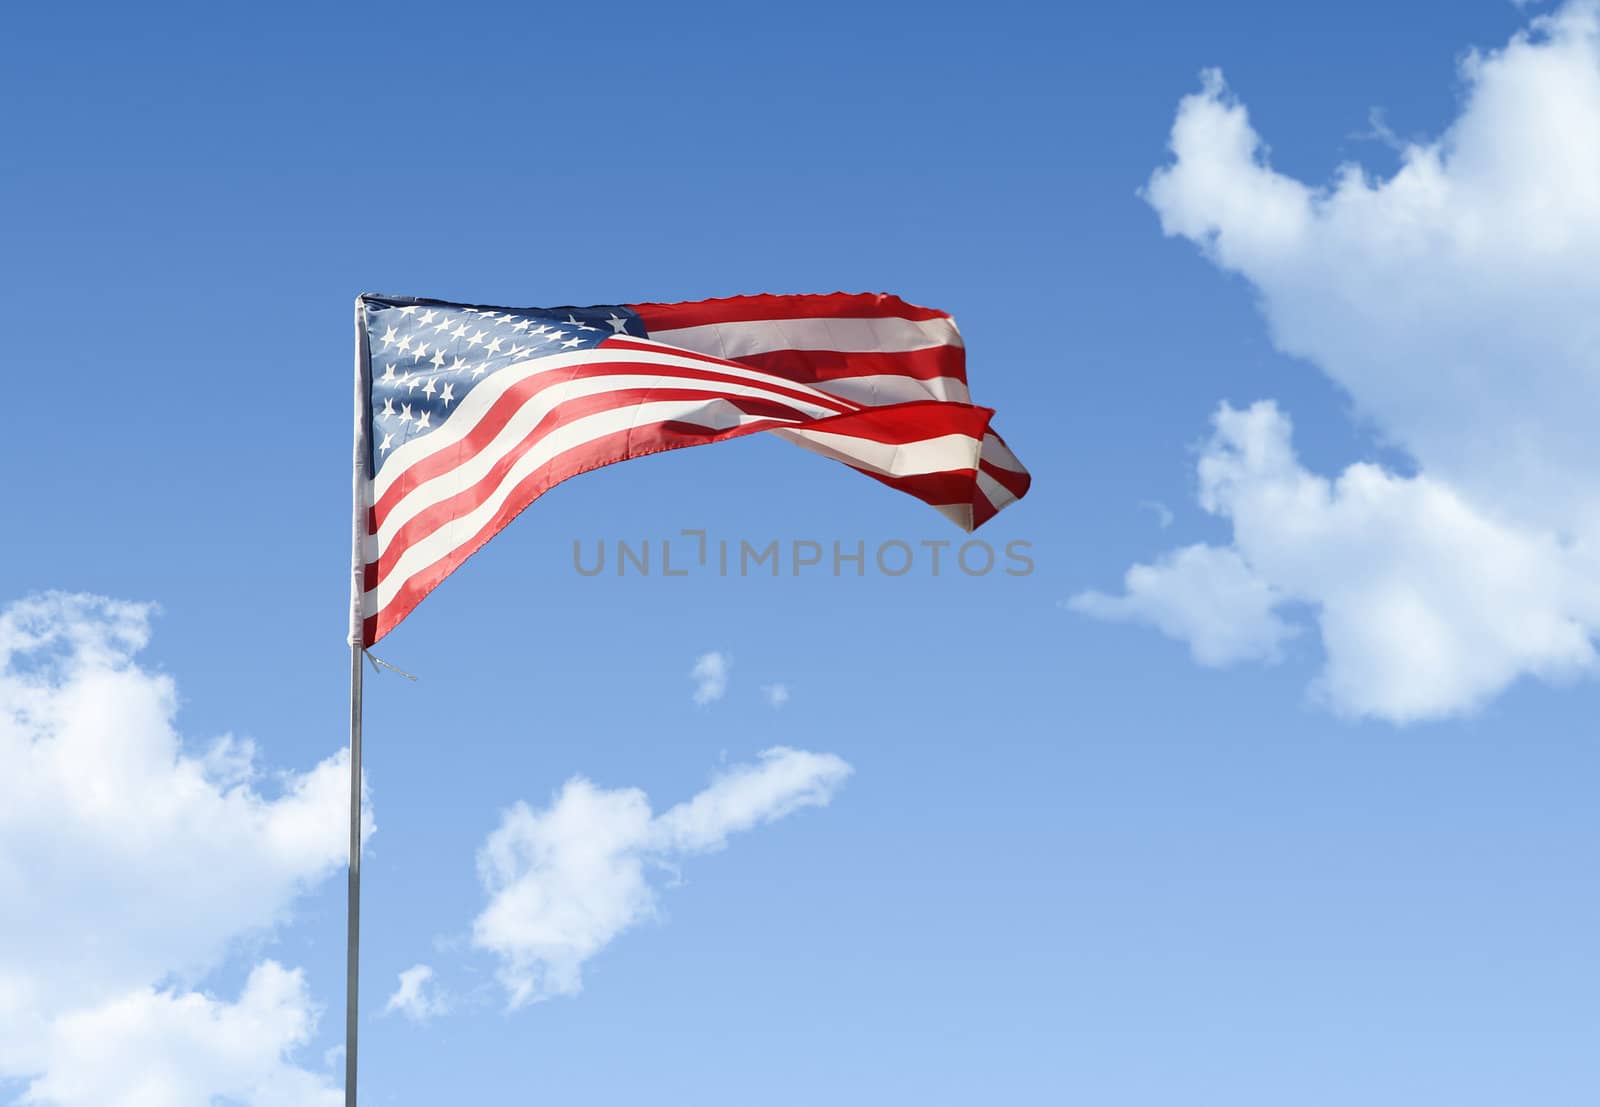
pixel 417 995
pixel 710 676
pixel 564 881
pixel 776 694
pixel 1161 511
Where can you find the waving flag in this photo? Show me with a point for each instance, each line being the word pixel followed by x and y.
pixel 471 413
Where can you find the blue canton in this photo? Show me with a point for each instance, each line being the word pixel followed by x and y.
pixel 428 356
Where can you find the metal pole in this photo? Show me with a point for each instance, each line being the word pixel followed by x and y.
pixel 353 939
pixel 358 496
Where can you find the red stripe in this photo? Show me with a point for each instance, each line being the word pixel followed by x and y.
pixel 808 366
pixel 958 486
pixel 518 395
pixel 898 424
pixel 471 498
pixel 749 309
pixel 982 511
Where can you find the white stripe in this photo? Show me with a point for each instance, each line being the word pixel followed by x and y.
pixel 959 514
pixel 995 491
pixel 715 415
pixel 881 389
pixel 889 459
pixel 527 419
pixel 995 452
pixel 846 336
pixel 478 402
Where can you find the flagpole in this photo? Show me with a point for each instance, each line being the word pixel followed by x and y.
pixel 358 497
pixel 353 931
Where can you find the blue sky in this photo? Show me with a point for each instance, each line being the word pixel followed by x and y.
pixel 1305 815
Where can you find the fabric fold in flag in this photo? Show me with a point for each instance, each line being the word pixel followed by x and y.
pixel 474 412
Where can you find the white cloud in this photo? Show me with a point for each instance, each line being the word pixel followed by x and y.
pixel 1426 606
pixel 1454 301
pixel 780 783
pixel 710 676
pixel 564 881
pixel 148 1048
pixel 418 996
pixel 776 694
pixel 1205 596
pixel 129 865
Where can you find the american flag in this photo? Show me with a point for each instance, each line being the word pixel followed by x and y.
pixel 470 413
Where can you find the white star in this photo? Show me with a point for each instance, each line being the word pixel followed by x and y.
pixel 405 344
pixel 540 329
pixel 427 317
pixel 461 363
pixel 444 325
pixel 574 341
pixel 422 422
pixel 523 325
pixel 388 407
pixel 493 347
pixel 477 338
pixel 478 371
pixel 388 374
pixel 410 381
pixel 405 413
pixel 447 395
pixel 388 338
pixel 388 440
pixel 421 352
pixel 556 335
pixel 618 325
pixel 430 390
pixel 461 329
pixel 409 310
pixel 438 358
pixel 517 351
